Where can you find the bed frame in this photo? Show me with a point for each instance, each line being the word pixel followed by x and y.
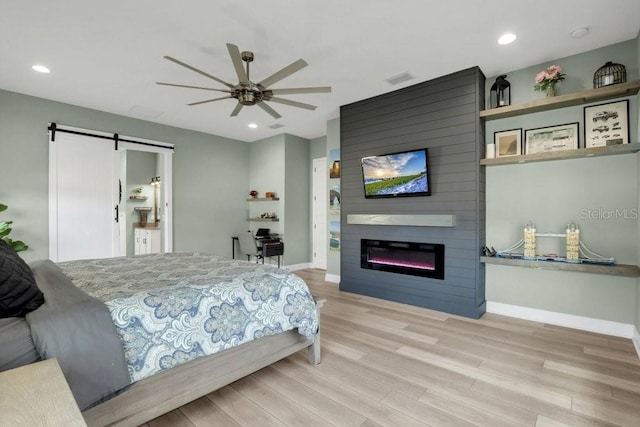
pixel 170 389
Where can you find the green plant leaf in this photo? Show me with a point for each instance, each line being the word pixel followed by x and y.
pixel 5 230
pixel 19 245
pixel 4 227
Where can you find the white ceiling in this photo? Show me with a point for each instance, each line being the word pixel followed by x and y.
pixel 108 55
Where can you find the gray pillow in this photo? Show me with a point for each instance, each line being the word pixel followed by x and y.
pixel 19 293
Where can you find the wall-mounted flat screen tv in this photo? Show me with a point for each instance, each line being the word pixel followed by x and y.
pixel 397 175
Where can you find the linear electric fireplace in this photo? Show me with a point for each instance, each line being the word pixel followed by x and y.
pixel 416 259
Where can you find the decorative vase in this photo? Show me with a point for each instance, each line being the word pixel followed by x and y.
pixel 551 90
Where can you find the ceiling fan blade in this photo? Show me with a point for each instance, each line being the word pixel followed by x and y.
pixel 197 71
pixel 209 100
pixel 234 52
pixel 193 87
pixel 269 110
pixel 236 110
pixel 293 103
pixel 285 72
pixel 293 91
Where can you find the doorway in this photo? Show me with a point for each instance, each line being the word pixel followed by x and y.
pixel 319 214
pixel 87 192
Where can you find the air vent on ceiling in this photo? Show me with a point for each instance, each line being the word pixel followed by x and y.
pixel 276 126
pixel 403 77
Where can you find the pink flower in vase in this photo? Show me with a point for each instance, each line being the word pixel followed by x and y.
pixel 553 71
pixel 548 78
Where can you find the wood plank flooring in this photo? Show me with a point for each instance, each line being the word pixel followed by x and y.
pixel 389 364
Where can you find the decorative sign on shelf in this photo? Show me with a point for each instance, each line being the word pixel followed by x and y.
pixel 551 138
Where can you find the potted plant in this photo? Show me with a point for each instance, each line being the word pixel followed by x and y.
pixel 5 229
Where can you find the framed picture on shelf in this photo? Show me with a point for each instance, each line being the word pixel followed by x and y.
pixel 551 138
pixel 508 142
pixel 606 124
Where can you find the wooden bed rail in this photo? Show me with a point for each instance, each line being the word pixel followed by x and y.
pixel 170 389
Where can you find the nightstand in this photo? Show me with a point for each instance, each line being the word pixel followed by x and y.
pixel 37 395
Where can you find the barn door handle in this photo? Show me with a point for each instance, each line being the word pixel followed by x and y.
pixel 117 220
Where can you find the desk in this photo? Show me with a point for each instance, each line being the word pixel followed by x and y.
pixel 268 247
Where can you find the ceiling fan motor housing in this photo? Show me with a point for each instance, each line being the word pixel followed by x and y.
pixel 247 95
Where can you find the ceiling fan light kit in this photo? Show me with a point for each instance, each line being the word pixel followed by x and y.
pixel 249 93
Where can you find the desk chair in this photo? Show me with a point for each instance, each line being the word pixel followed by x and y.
pixel 249 247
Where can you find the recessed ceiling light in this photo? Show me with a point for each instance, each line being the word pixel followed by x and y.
pixel 41 69
pixel 579 32
pixel 507 38
pixel 253 125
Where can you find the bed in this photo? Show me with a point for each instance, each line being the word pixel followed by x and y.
pixel 139 336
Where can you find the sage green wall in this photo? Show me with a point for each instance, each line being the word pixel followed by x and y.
pixel 210 173
pixel 578 68
pixel 553 194
pixel 317 148
pixel 333 143
pixel 296 204
pixel 281 164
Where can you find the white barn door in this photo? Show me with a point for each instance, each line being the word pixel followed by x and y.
pixel 83 195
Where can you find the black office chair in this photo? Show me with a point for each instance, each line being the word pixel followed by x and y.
pixel 249 247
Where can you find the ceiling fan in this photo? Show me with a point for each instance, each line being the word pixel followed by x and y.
pixel 248 92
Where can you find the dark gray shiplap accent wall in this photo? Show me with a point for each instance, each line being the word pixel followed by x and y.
pixel 443 116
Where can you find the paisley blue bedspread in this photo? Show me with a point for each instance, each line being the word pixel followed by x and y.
pixel 174 307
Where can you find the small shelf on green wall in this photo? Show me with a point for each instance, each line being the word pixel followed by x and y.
pixel 560 101
pixel 625 270
pixel 579 153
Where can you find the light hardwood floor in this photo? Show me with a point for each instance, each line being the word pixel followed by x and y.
pixel 389 364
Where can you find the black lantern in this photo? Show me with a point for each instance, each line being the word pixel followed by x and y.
pixel 500 94
pixel 609 74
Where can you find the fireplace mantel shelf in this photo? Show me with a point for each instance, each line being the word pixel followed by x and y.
pixel 425 220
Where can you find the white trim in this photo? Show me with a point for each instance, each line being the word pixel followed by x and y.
pixel 53 200
pixel 635 339
pixel 295 267
pixel 600 326
pixel 333 278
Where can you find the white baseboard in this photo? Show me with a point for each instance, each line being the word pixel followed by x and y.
pixel 295 267
pixel 333 278
pixel 600 326
pixel 636 340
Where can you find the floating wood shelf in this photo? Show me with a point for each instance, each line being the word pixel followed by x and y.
pixel 264 199
pixel 264 219
pixel 611 270
pixel 138 198
pixel 560 101
pixel 611 150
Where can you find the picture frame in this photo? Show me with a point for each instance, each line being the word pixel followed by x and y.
pixel 508 142
pixel 552 138
pixel 606 124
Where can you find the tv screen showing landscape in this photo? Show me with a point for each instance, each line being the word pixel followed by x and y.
pixel 396 175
